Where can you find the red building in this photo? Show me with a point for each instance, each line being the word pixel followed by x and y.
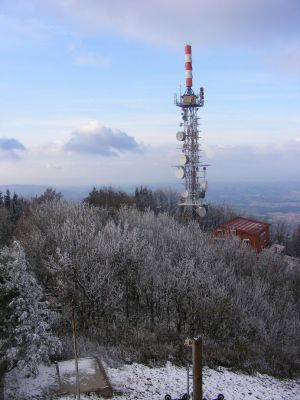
pixel 251 232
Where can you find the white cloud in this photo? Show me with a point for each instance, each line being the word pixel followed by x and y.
pixel 96 139
pixel 10 148
pixel 85 57
pixel 174 21
pixel 275 162
pixel 89 161
pixel 10 144
pixel 57 167
pixel 92 59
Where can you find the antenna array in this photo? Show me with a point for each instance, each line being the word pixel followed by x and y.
pixel 190 167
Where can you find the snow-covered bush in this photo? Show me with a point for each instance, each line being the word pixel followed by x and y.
pixel 26 339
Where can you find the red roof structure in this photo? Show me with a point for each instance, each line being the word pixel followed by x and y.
pixel 246 225
pixel 251 232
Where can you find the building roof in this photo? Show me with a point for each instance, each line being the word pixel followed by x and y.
pixel 245 225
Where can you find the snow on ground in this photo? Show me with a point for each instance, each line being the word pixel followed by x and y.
pixel 16 386
pixel 137 381
pixel 86 366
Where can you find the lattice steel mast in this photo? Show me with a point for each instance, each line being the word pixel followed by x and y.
pixel 190 167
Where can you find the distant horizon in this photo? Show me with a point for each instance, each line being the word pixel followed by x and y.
pixel 216 188
pixel 155 185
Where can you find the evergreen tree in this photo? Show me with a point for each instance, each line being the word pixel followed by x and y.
pixel 144 198
pixel 25 320
pixel 16 208
pixel 7 199
pixel 296 242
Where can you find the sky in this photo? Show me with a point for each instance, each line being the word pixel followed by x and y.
pixel 87 89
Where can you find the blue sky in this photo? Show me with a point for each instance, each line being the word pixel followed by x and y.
pixel 87 89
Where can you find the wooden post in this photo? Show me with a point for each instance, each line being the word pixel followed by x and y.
pixel 74 328
pixel 197 368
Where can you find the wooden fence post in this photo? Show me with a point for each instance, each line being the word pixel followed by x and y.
pixel 197 368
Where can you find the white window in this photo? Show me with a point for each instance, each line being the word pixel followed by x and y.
pixel 233 231
pixel 246 242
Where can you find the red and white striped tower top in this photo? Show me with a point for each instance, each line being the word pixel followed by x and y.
pixel 188 66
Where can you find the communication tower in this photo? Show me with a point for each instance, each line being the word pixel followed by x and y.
pixel 190 168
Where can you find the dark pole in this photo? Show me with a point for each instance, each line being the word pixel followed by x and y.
pixel 197 368
pixel 74 328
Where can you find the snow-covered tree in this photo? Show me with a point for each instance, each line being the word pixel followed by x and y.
pixel 26 339
pixel 142 278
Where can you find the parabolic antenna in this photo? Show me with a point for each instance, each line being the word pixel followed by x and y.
pixel 201 211
pixel 204 185
pixel 180 172
pixel 183 160
pixel 185 194
pixel 180 136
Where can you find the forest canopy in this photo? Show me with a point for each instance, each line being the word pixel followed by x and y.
pixel 142 281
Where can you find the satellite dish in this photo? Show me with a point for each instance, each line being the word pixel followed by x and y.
pixel 180 136
pixel 183 160
pixel 205 185
pixel 201 194
pixel 201 211
pixel 180 173
pixel 185 194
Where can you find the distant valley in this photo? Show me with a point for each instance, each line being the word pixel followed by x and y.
pixel 278 201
